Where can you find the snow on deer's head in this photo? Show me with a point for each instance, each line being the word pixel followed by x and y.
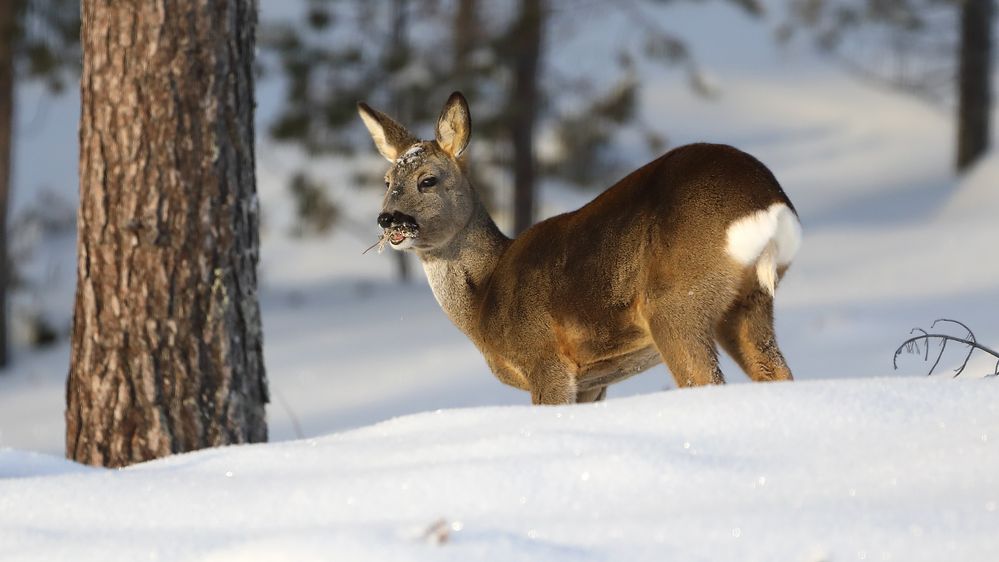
pixel 428 199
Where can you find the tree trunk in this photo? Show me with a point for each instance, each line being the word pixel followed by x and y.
pixel 524 109
pixel 166 346
pixel 466 33
pixel 8 24
pixel 399 46
pixel 974 110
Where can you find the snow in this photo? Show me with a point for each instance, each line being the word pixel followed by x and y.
pixel 879 469
pixel 846 463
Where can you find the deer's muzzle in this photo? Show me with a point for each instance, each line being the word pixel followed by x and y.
pixel 398 227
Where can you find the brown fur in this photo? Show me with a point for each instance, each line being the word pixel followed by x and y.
pixel 638 276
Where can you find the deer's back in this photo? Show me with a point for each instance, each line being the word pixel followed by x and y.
pixel 591 269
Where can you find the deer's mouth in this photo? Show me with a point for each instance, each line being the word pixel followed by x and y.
pixel 397 229
pixel 399 233
pixel 397 237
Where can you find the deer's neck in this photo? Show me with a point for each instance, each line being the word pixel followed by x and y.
pixel 459 272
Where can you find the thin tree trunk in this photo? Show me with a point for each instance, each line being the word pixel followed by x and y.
pixel 467 37
pixel 974 110
pixel 524 109
pixel 8 23
pixel 166 346
pixel 466 32
pixel 398 47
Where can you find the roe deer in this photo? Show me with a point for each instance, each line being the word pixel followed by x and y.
pixel 682 253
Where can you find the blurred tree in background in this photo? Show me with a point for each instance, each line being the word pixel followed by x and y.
pixel 938 50
pixel 39 40
pixel 405 56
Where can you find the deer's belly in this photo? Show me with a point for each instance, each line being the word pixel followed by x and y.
pixel 613 369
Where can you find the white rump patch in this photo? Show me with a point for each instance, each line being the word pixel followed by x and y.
pixel 768 238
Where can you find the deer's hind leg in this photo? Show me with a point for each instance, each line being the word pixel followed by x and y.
pixel 682 322
pixel 746 332
pixel 689 354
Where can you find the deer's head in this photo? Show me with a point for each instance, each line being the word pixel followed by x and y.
pixel 428 199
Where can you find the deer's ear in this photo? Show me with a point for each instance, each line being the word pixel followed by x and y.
pixel 454 126
pixel 390 138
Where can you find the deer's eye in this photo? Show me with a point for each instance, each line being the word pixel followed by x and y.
pixel 426 183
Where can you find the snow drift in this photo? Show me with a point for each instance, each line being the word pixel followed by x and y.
pixel 879 469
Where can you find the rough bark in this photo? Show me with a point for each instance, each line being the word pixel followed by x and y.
pixel 8 22
pixel 974 110
pixel 166 345
pixel 524 109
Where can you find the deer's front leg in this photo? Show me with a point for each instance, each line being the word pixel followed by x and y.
pixel 553 382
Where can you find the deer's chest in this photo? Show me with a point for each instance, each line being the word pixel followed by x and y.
pixel 452 287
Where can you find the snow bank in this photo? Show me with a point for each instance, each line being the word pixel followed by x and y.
pixel 880 469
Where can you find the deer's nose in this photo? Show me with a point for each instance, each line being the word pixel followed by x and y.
pixel 385 220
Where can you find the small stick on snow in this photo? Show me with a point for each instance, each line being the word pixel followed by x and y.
pixel 437 533
pixel 912 346
pixel 296 426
